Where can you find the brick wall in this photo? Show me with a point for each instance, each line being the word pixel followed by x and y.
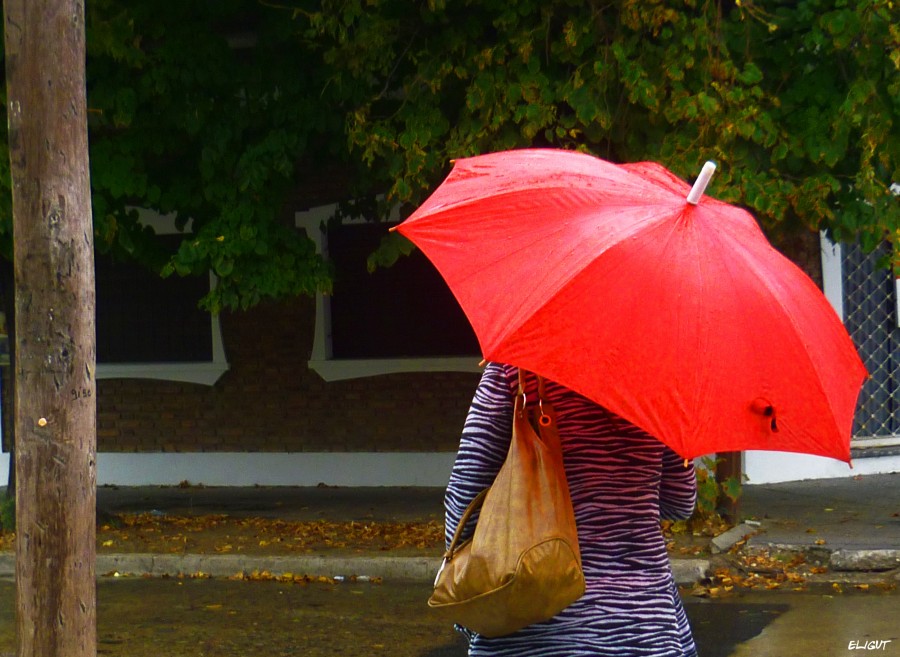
pixel 270 401
pixel 804 248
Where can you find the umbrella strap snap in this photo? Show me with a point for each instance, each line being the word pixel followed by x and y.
pixel 765 408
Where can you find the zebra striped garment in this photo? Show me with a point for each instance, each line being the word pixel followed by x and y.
pixel 622 482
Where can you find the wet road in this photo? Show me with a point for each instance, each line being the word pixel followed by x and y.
pixel 219 618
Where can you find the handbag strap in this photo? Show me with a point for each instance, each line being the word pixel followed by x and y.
pixel 474 505
pixel 544 419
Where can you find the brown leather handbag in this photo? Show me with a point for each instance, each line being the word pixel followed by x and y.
pixel 523 564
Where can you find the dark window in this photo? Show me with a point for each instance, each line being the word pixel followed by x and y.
pixel 403 311
pixel 142 318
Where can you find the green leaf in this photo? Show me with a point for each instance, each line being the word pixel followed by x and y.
pixel 750 74
pixel 731 488
pixel 393 245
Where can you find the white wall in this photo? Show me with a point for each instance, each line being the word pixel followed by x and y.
pixel 775 467
pixel 269 469
pixel 391 469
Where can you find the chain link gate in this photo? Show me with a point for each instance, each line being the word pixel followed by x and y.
pixel 870 316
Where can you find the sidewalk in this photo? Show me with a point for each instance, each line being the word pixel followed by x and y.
pixel 300 504
pixel 848 524
pixel 849 528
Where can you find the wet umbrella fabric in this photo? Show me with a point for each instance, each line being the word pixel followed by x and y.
pixel 680 318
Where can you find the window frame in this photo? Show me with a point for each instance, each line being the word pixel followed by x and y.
pixel 314 222
pixel 199 372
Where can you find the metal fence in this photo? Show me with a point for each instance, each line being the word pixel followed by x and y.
pixel 870 315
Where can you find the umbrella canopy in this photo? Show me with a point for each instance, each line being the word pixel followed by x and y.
pixel 681 318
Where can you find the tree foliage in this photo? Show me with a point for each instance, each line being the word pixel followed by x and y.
pixel 798 102
pixel 206 110
pixel 216 111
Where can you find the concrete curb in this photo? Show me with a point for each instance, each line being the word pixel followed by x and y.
pixel 689 571
pixel 840 559
pixel 848 568
pixel 226 565
pixel 864 560
pixel 725 541
pixel 407 569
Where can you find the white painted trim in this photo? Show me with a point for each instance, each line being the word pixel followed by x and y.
pixel 832 274
pixel 875 441
pixel 203 373
pixel 331 369
pixel 313 222
pixel 897 299
pixel 776 467
pixel 430 469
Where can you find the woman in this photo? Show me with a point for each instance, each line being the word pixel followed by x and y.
pixel 622 481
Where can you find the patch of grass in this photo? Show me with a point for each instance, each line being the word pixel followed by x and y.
pixel 8 514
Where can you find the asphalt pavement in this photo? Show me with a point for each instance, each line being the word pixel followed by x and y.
pixel 149 617
pixel 849 525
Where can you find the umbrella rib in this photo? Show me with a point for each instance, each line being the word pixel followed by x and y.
pixel 752 264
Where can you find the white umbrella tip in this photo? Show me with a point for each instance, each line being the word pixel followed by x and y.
pixel 700 184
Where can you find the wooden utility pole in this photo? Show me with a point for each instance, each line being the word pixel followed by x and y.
pixel 55 411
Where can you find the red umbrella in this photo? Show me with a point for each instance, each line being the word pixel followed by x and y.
pixel 679 317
